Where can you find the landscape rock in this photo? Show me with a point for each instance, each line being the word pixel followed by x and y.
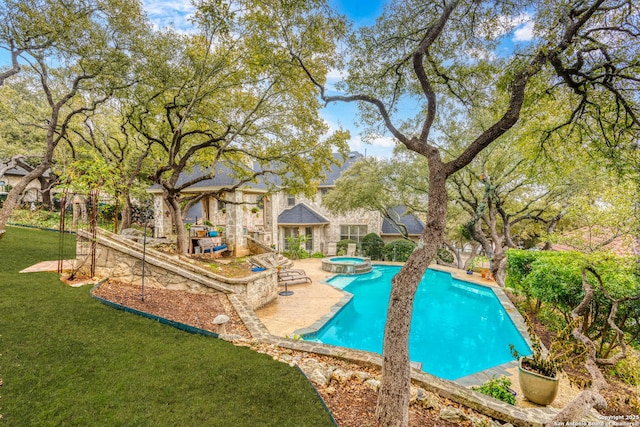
pixel 221 319
pixel 451 414
pixel 427 399
pixel 286 358
pixel 341 376
pixel 373 384
pixel 362 376
pixel 310 365
pixel 318 377
pixel 481 421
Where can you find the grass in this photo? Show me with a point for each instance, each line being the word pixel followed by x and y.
pixel 66 359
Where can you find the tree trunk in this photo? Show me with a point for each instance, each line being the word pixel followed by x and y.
pixel 393 397
pixel 45 190
pixel 126 214
pixel 475 249
pixel 499 267
pixel 14 194
pixel 182 244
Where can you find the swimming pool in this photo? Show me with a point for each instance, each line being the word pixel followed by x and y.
pixel 458 328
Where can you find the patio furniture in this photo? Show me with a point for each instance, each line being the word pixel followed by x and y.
pixel 213 245
pixel 351 249
pixel 292 277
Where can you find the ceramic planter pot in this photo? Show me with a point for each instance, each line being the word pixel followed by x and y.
pixel 537 388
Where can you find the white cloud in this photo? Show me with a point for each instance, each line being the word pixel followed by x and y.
pixel 503 25
pixel 523 33
pixel 334 74
pixel 170 13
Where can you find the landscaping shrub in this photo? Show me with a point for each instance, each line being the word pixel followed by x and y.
pixel 444 256
pixel 398 250
pixel 498 388
pixel 372 245
pixel 553 281
pixel 295 249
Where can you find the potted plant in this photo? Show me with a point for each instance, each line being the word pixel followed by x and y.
pixel 475 261
pixel 538 373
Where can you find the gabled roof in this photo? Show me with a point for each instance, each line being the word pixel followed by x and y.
pixel 224 176
pixel 335 171
pixel 301 214
pixel 20 171
pixel 413 223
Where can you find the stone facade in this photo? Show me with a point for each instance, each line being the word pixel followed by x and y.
pixel 324 234
pixel 251 210
pixel 121 259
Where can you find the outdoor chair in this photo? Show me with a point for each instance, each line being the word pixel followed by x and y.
pixel 213 245
pixel 351 249
pixel 293 277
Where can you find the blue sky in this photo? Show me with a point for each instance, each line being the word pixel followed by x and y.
pixel 175 13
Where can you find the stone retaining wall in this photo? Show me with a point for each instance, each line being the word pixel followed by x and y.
pixel 121 259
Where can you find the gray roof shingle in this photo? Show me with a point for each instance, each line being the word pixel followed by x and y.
pixel 301 214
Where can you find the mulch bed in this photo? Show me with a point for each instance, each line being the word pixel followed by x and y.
pixel 190 308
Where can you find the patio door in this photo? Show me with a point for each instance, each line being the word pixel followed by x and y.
pixel 292 232
pixel 308 232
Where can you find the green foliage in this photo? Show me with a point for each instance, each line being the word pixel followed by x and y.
pixel 372 245
pixel 497 388
pixel 628 370
pixel 519 264
pixel 562 349
pixel 398 250
pixel 106 211
pixel 445 256
pixel 554 280
pixel 99 360
pixel 477 261
pixel 295 249
pixel 317 255
pixel 342 245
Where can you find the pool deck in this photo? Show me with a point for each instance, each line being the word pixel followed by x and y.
pixel 313 304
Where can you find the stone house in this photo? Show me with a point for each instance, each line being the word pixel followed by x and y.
pixel 271 217
pixel 33 192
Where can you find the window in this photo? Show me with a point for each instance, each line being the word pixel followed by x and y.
pixel 221 205
pixel 289 232
pixel 291 200
pixel 260 201
pixel 308 245
pixel 324 191
pixel 353 232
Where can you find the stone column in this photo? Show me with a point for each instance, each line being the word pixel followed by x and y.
pixel 159 217
pixel 274 211
pixel 235 223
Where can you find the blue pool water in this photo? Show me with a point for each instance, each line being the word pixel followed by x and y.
pixel 458 328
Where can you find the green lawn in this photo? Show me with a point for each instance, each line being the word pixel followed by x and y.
pixel 66 359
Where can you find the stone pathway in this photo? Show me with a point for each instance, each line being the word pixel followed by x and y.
pixel 67 264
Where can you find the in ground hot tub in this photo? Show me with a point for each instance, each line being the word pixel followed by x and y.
pixel 347 265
